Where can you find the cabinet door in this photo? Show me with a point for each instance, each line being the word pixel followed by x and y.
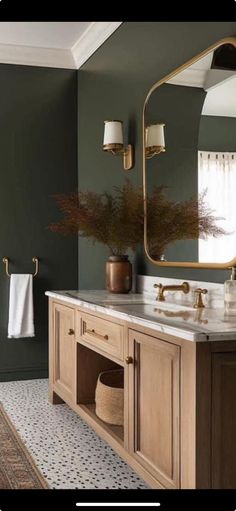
pixel 64 351
pixel 224 421
pixel 154 406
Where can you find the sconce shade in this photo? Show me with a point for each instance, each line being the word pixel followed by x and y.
pixel 154 139
pixel 113 135
pixel 113 143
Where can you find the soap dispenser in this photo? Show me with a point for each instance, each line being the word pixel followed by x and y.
pixel 230 294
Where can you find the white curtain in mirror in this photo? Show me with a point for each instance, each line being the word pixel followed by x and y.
pixel 217 175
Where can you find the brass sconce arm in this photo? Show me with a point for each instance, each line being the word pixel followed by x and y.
pixel 128 154
pixel 128 157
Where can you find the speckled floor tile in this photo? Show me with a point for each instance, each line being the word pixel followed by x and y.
pixel 66 450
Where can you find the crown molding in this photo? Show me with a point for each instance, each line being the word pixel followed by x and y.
pixel 95 35
pixel 32 56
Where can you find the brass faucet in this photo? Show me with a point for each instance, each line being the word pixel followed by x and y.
pixel 181 287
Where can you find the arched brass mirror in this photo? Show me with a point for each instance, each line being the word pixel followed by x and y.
pixel 189 162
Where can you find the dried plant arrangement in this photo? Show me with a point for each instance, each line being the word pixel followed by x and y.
pixel 170 221
pixel 113 219
pixel 117 219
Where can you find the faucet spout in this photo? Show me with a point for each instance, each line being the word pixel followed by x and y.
pixel 184 287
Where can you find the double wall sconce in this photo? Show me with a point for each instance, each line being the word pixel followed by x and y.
pixel 113 143
pixel 154 140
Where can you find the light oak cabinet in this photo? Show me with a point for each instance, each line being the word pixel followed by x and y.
pixel 63 353
pixel 154 389
pixel 103 334
pixel 179 396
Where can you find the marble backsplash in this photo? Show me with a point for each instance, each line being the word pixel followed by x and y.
pixel 213 299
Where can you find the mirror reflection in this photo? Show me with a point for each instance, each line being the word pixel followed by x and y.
pixel 190 139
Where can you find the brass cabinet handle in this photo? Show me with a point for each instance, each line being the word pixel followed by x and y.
pixel 71 331
pixel 129 360
pixel 93 332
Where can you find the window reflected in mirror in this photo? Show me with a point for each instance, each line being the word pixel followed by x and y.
pixel 217 180
pixel 195 178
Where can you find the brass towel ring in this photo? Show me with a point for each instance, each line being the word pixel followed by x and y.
pixel 34 259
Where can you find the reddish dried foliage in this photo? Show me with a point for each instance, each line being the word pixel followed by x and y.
pixel 117 219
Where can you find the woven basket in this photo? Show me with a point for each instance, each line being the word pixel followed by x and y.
pixel 109 397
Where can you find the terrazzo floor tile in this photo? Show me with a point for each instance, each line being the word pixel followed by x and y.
pixel 68 452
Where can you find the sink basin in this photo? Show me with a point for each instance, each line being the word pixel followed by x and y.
pixel 135 301
pixel 166 313
pixel 157 306
pixel 97 298
pixel 145 307
pixel 128 302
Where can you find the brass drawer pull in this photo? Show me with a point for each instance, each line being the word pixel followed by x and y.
pixel 129 360
pixel 95 334
pixel 71 331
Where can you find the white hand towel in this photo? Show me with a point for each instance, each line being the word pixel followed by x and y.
pixel 21 312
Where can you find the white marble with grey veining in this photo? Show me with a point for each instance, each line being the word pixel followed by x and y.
pixel 208 324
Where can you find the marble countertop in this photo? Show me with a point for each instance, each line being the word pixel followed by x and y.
pixel 195 325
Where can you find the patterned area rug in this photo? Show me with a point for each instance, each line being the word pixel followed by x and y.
pixel 17 469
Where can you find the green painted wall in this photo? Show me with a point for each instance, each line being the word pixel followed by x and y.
pixel 217 133
pixel 38 158
pixel 180 108
pixel 113 84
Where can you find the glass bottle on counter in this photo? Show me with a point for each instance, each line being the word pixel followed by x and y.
pixel 230 294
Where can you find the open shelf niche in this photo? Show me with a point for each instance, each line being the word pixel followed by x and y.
pixel 89 365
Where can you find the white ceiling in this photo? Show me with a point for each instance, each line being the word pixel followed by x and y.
pixel 52 44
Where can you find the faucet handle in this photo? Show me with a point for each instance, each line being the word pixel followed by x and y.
pixel 160 294
pixel 198 302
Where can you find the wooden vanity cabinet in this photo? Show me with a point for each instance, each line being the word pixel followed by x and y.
pixel 224 420
pixel 179 396
pixel 62 359
pixel 154 390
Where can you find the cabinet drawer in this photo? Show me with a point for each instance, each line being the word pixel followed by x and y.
pixel 102 334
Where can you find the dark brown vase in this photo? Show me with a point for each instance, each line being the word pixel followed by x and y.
pixel 118 274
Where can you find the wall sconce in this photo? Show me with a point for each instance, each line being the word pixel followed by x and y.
pixel 154 140
pixel 113 142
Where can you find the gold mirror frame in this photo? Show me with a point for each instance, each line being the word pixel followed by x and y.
pixel 229 40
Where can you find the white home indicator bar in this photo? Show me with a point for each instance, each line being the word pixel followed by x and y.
pixel 117 504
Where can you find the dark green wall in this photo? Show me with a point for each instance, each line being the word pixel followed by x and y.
pixel 38 158
pixel 180 108
pixel 113 84
pixel 217 134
